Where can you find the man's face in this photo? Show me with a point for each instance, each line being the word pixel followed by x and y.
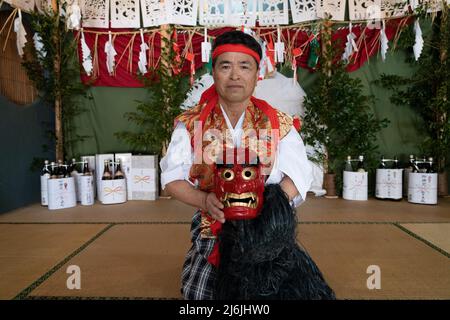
pixel 235 75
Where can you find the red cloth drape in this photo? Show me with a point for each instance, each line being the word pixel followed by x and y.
pixel 124 78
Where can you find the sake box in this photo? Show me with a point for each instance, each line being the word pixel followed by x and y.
pixel 86 184
pixel 61 193
pixel 99 165
pixel 389 184
pixel 423 188
pixel 125 160
pixel 355 186
pixel 144 180
pixel 92 167
pixel 113 191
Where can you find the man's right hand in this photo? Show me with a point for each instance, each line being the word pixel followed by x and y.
pixel 214 206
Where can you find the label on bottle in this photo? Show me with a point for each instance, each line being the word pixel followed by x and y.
pixel 86 184
pixel 389 184
pixel 44 189
pixel 355 186
pixel 423 188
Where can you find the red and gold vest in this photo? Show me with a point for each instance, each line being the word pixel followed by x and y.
pixel 257 118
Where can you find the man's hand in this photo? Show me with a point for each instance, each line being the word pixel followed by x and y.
pixel 214 206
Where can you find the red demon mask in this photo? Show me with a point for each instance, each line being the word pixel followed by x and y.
pixel 239 184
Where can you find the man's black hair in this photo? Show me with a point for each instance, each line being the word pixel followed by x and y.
pixel 238 37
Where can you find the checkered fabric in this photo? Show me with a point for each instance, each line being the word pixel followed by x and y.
pixel 198 276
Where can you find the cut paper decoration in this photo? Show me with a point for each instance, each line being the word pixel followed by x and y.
pixel 125 14
pixel 95 13
pixel 364 9
pixel 206 48
pixel 183 12
pixel 303 10
pixel 333 8
pixel 273 12
pixel 154 12
pixel 213 12
pixel 241 13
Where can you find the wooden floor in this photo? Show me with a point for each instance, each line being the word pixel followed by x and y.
pixel 136 249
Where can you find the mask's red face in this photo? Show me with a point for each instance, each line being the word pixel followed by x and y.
pixel 239 185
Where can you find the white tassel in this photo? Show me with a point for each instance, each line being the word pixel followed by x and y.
pixel 350 46
pixel 39 45
pixel 110 55
pixel 142 64
pixel 384 42
pixel 86 55
pixel 418 45
pixel 21 34
pixel 74 12
pixel 206 48
pixel 279 47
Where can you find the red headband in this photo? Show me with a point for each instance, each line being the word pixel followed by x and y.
pixel 235 48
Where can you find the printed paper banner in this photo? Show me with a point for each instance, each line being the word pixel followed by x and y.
pixel 95 13
pixel 125 14
pixel 273 12
pixel 303 10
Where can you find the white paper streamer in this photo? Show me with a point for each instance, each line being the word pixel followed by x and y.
pixel 142 64
pixel 110 55
pixel 21 38
pixel 86 55
pixel 279 47
pixel 418 44
pixel 74 13
pixel 350 46
pixel 384 42
pixel 206 48
pixel 39 45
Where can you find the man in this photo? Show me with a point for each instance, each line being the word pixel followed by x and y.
pixel 229 108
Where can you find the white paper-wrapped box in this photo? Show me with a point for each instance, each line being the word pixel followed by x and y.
pixel 355 186
pixel 113 191
pixel 389 184
pixel 61 193
pixel 144 177
pixel 99 165
pixel 87 196
pixel 423 188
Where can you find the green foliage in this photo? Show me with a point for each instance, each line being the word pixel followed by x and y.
pixel 337 120
pixel 155 117
pixel 56 80
pixel 427 90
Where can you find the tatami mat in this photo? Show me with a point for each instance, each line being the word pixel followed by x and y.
pixel 409 268
pixel 436 233
pixel 29 251
pixel 127 261
pixel 313 209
